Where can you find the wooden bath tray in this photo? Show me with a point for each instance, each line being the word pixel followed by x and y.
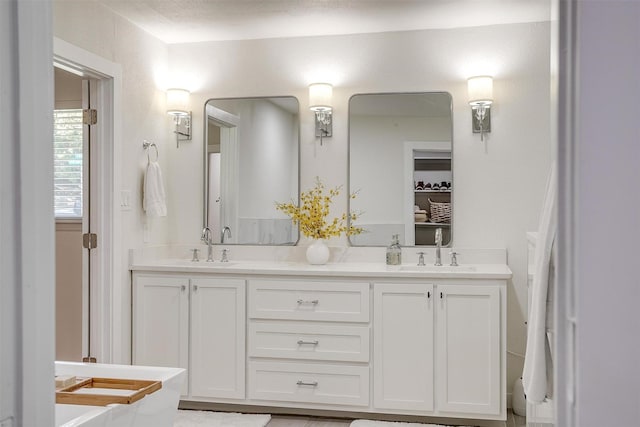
pixel 78 394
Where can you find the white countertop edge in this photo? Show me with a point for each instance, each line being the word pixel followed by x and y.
pixel 481 271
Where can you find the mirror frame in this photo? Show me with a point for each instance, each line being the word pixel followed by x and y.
pixel 205 163
pixel 350 190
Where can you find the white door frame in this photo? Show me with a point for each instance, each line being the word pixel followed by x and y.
pixel 107 270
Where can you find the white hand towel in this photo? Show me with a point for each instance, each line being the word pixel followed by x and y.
pixel 153 200
pixel 534 377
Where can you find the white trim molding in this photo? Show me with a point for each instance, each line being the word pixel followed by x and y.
pixel 106 317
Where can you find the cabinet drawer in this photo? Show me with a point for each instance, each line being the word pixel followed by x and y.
pixel 309 341
pixel 309 300
pixel 309 383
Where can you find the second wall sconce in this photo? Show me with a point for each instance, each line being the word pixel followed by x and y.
pixel 480 89
pixel 320 95
pixel 178 107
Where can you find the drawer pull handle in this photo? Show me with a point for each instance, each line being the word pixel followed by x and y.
pixel 314 302
pixel 301 342
pixel 313 384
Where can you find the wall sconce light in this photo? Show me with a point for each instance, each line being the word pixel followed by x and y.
pixel 178 107
pixel 320 102
pixel 480 89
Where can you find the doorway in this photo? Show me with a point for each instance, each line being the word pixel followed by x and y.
pixel 74 210
pixel 104 325
pixel 428 176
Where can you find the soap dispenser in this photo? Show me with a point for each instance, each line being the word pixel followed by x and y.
pixel 394 252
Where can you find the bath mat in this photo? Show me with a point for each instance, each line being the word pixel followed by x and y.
pixel 369 423
pixel 219 419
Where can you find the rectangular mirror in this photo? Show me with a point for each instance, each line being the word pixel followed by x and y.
pixel 400 165
pixel 251 158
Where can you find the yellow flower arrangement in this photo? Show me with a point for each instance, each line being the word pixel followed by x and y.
pixel 312 214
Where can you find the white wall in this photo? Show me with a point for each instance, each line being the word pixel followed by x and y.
pixel 268 148
pixel 67 90
pixel 499 184
pixel 268 142
pixel 69 291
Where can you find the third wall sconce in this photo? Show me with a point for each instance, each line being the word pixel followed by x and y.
pixel 320 95
pixel 480 89
pixel 178 107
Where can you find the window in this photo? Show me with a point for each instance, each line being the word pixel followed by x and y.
pixel 67 163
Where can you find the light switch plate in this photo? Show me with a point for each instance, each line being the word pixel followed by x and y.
pixel 125 202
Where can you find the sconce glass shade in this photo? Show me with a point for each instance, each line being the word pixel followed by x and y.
pixel 178 102
pixel 178 107
pixel 320 95
pixel 480 89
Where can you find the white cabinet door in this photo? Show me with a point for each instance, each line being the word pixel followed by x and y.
pixel 218 338
pixel 161 321
pixel 468 349
pixel 403 347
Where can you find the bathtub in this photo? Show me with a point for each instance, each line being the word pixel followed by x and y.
pixel 155 410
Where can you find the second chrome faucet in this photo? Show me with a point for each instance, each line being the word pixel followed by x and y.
pixel 226 231
pixel 438 246
pixel 206 238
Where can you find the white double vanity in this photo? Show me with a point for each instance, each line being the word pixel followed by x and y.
pixel 347 336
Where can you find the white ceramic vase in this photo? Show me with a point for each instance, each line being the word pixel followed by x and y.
pixel 318 252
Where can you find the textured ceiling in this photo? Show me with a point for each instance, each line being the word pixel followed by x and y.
pixel 184 21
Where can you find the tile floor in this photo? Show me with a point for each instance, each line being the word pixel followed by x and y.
pixel 295 421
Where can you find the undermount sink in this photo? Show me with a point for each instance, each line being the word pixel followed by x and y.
pixel 439 268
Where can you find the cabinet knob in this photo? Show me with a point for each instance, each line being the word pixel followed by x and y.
pixel 183 288
pixel 195 288
pixel 428 294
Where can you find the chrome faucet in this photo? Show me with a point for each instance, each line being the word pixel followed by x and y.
pixel 206 238
pixel 438 246
pixel 226 230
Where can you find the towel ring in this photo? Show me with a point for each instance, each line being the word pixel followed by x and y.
pixel 147 146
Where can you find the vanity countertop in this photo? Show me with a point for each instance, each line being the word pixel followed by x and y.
pixel 345 269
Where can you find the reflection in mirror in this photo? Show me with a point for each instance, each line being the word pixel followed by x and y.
pixel 251 160
pixel 400 164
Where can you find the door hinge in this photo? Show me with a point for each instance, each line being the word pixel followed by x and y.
pixel 89 240
pixel 89 117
